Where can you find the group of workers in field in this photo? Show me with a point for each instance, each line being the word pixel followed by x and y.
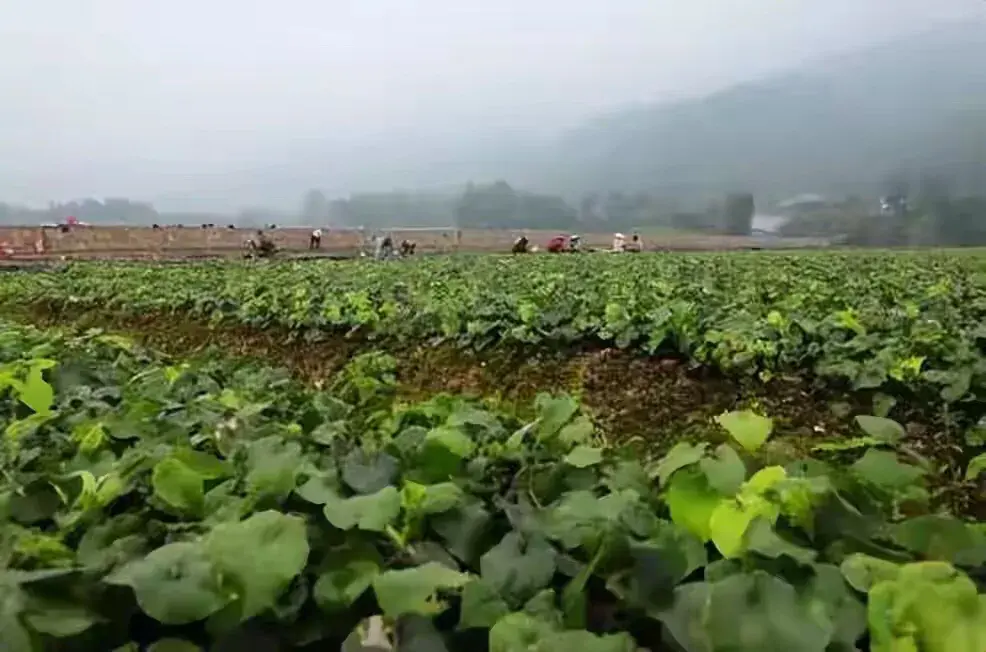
pixel 573 244
pixel 383 248
pixel 260 246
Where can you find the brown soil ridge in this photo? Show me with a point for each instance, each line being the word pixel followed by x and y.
pixel 644 401
pixel 630 395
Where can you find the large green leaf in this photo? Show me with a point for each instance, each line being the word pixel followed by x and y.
pixel 463 530
pixel 882 469
pixel 518 567
pixel 862 571
pixel 585 642
pixel 367 473
pixel 518 632
pixel 415 590
pixel 443 453
pixel 13 635
pixel 349 575
pixel 744 613
pixel 274 465
pixel 209 467
pixel 578 431
pixel 430 499
pixel 682 455
pixel 482 606
pixel 928 606
pixel 730 521
pixel 419 634
pixel 660 563
pixel 725 470
pixel 975 467
pixel 692 502
pixel 553 414
pixel 374 512
pixel 259 557
pixel 35 392
pixel 319 489
pixel 584 456
pixel 884 430
pixel 175 584
pixel 761 538
pixel 836 606
pixel 748 428
pixel 178 486
pixel 942 538
pixel 453 440
pixel 58 619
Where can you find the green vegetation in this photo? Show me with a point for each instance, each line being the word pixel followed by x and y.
pixel 214 504
pixel 909 325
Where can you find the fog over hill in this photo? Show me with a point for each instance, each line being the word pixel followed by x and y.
pixel 914 105
pixel 843 125
pixel 216 106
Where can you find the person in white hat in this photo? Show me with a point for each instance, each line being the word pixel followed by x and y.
pixel 618 242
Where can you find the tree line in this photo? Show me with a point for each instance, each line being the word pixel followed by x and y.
pixel 924 211
pixel 499 205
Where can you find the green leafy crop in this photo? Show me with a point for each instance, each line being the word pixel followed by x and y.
pixel 910 323
pixel 216 504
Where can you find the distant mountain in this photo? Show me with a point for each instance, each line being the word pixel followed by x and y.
pixel 915 107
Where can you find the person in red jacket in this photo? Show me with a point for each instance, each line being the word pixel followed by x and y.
pixel 557 244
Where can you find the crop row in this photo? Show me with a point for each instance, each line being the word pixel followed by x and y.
pixel 899 322
pixel 214 503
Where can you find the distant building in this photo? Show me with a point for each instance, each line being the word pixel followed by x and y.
pixel 768 223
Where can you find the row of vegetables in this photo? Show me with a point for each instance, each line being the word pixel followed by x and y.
pixel 906 323
pixel 210 503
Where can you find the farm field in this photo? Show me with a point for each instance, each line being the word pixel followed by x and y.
pixel 171 243
pixel 598 452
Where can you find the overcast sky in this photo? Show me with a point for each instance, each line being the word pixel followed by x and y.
pixel 133 97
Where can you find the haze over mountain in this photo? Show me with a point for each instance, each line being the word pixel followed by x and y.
pixel 915 106
pixel 220 105
pixel 849 124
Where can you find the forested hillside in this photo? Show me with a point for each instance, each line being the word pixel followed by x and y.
pixel 914 107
